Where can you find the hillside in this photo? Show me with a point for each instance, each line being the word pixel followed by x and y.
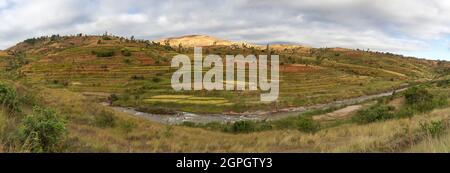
pixel 139 71
pixel 195 40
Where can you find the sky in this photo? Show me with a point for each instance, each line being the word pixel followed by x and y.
pixel 419 28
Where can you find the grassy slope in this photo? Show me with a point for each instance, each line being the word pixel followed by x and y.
pixel 68 62
pixel 389 136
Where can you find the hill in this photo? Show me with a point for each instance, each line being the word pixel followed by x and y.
pixel 195 40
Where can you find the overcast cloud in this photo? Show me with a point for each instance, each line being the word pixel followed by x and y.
pixel 413 27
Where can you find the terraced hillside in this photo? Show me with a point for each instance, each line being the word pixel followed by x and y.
pixel 64 79
pixel 137 73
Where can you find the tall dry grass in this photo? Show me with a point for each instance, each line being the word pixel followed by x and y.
pixel 391 136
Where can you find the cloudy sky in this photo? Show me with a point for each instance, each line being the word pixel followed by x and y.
pixel 413 27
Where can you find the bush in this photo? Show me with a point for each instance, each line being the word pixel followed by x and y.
pixel 374 114
pixel 243 127
pixel 307 125
pixel 9 98
pixel 105 37
pixel 103 53
pixel 126 52
pixel 421 100
pixel 405 112
pixel 157 110
pixel 127 126
pixel 156 79
pixel 42 131
pixel 416 95
pixel 137 77
pixel 105 119
pixel 113 97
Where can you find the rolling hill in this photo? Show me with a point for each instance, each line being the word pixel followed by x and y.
pixel 138 70
pixel 73 77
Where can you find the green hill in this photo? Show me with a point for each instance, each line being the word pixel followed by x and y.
pixel 138 70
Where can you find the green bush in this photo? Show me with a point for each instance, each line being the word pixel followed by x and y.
pixel 156 79
pixel 103 53
pixel 374 114
pixel 417 95
pixel 42 131
pixel 105 119
pixel 126 52
pixel 137 77
pixel 9 98
pixel 307 125
pixel 421 100
pixel 243 127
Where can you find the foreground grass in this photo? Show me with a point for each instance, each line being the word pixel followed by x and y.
pixel 430 145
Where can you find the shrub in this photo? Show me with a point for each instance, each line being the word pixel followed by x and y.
pixel 42 131
pixel 103 53
pixel 137 77
pixel 127 126
pixel 422 101
pixel 243 127
pixel 405 112
pixel 374 114
pixel 126 52
pixel 433 128
pixel 105 37
pixel 416 95
pixel 307 125
pixel 105 119
pixel 113 98
pixel 9 98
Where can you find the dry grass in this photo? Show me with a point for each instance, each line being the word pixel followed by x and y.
pixel 146 136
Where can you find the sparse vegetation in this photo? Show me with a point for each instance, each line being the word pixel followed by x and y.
pixel 103 53
pixel 307 125
pixel 105 119
pixel 126 52
pixel 9 98
pixel 433 128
